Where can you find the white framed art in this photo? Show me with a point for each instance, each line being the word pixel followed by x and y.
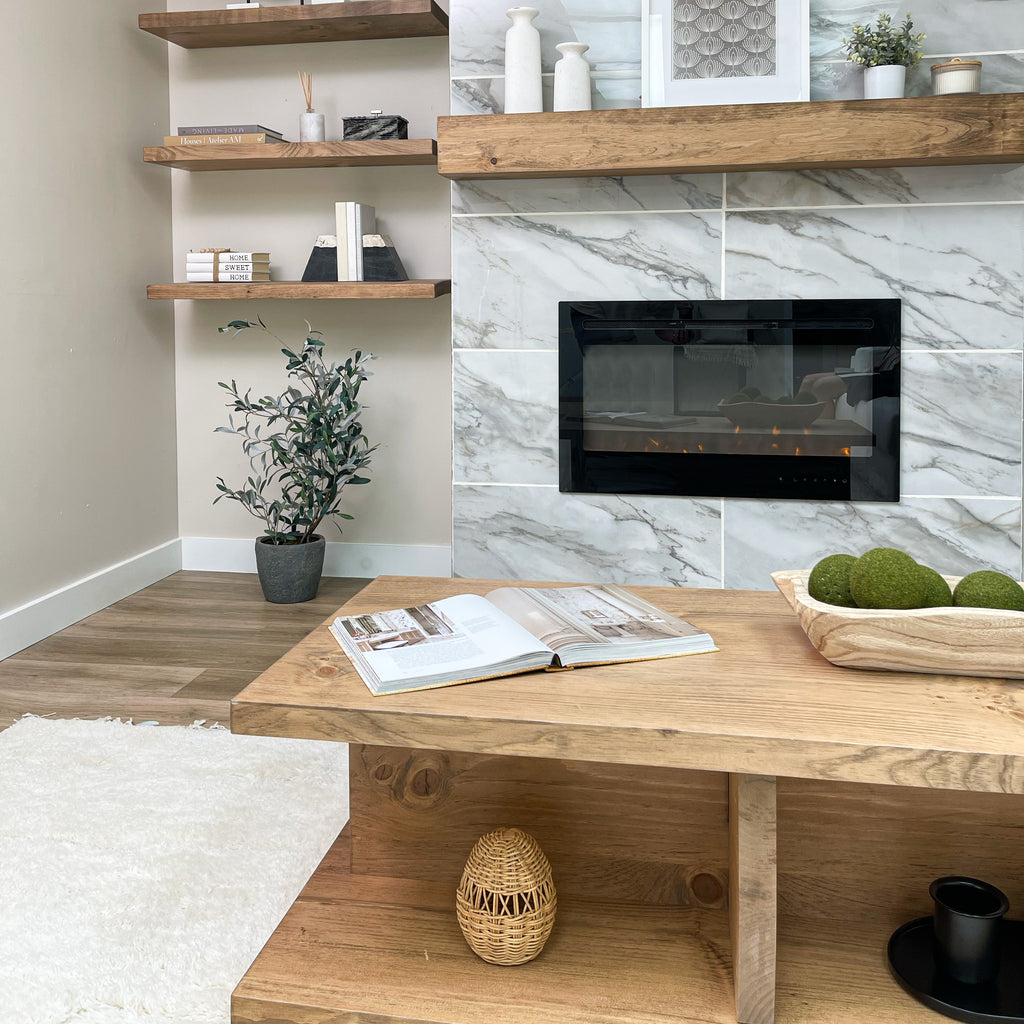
pixel 697 52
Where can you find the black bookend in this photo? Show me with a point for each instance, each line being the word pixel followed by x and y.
pixel 323 263
pixel 381 261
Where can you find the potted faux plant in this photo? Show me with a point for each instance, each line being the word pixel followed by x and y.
pixel 304 446
pixel 885 52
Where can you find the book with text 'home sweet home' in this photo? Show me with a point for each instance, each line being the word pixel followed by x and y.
pixel 467 638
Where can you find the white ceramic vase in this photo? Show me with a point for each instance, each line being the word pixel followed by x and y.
pixel 885 82
pixel 522 63
pixel 311 127
pixel 572 77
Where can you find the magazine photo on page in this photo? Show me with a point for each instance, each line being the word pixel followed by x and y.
pixel 513 629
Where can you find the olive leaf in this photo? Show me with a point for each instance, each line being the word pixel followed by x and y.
pixel 304 445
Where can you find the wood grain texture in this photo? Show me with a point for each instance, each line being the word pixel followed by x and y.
pixel 753 895
pixel 854 864
pixel 175 652
pixel 610 832
pixel 742 137
pixel 362 949
pixel 766 703
pixel 370 19
pixel 425 289
pixel 966 641
pixel 232 156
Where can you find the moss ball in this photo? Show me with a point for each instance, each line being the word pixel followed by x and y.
pixel 887 578
pixel 936 590
pixel 987 589
pixel 806 398
pixel 740 396
pixel 750 392
pixel 830 580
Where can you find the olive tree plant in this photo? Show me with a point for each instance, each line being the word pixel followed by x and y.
pixel 305 445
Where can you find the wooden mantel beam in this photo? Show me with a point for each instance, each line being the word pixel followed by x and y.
pixel 931 130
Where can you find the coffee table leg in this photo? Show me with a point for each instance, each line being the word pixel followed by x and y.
pixel 753 894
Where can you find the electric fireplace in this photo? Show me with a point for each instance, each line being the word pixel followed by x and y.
pixel 757 398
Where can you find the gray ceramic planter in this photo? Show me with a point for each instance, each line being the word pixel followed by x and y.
pixel 290 573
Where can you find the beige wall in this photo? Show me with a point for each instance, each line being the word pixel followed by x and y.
pixel 87 443
pixel 409 396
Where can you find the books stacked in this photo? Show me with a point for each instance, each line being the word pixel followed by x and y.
pixel 225 265
pixel 352 221
pixel 221 134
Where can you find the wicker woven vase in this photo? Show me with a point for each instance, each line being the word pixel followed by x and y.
pixel 506 899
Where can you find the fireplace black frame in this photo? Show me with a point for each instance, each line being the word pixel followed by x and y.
pixel 874 322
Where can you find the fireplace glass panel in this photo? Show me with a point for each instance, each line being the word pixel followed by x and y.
pixel 755 398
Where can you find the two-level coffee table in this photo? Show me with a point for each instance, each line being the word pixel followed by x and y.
pixel 733 835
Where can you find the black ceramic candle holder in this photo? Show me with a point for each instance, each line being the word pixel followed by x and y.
pixel 965 961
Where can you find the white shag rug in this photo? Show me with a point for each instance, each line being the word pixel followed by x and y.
pixel 142 868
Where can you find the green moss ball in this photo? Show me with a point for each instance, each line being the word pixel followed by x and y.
pixel 806 398
pixel 936 590
pixel 987 589
pixel 750 392
pixel 740 396
pixel 830 580
pixel 887 578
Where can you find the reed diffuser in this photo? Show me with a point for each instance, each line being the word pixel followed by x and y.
pixel 311 125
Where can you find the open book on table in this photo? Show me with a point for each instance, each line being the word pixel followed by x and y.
pixel 513 629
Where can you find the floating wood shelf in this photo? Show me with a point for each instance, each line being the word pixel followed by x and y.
pixel 316 23
pixel 421 289
pixel 268 156
pixel 932 130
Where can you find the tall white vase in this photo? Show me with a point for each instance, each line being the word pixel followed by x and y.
pixel 885 82
pixel 572 77
pixel 522 63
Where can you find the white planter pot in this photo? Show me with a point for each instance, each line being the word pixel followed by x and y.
pixel 885 82
pixel 522 63
pixel 572 77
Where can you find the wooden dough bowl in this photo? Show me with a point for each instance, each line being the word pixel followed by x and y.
pixel 959 641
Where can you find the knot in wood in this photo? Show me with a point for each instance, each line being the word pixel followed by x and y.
pixel 426 782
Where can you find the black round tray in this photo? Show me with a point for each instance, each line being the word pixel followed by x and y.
pixel 912 962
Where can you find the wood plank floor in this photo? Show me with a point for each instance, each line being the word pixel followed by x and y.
pixel 175 652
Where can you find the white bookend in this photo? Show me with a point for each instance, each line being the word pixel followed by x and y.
pixel 341 230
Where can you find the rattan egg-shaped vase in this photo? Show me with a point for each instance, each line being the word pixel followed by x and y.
pixel 505 902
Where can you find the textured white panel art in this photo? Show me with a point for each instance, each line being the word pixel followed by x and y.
pixel 724 38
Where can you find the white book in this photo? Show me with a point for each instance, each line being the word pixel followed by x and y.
pixel 341 231
pixel 227 257
pixel 361 220
pixel 227 275
pixel 195 267
pixel 513 629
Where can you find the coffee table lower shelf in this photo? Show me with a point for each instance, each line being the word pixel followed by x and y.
pixel 366 949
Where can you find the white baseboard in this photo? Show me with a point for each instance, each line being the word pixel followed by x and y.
pixel 234 554
pixel 29 623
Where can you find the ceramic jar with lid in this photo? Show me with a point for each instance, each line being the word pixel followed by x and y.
pixel 955 76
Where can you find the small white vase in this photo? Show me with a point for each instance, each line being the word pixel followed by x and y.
pixel 311 127
pixel 885 82
pixel 522 63
pixel 572 77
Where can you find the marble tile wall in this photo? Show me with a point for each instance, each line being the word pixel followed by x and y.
pixel 948 241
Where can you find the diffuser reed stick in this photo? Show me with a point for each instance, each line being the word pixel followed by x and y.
pixel 306 78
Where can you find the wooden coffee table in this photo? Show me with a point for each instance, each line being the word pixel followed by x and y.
pixel 733 835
